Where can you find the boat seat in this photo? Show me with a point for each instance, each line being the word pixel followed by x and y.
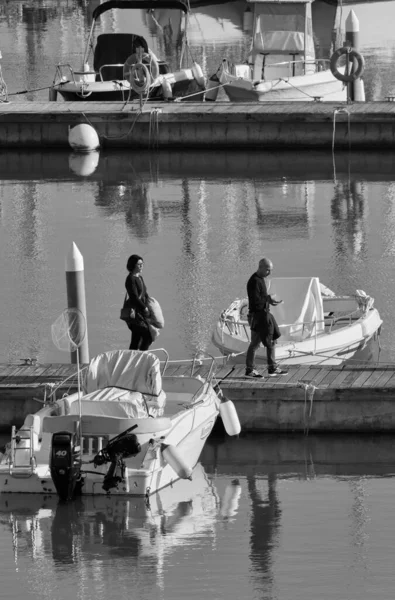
pixel 131 370
pixel 114 49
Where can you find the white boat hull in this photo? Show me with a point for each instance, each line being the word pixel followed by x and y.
pixel 322 85
pixel 332 346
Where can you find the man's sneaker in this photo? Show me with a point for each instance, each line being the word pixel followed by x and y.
pixel 277 371
pixel 253 373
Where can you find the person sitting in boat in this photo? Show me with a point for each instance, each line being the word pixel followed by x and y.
pixel 264 328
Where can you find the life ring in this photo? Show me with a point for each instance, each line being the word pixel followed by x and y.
pixel 352 55
pixel 149 60
pixel 140 78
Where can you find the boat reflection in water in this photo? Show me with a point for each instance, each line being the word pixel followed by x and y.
pixel 91 531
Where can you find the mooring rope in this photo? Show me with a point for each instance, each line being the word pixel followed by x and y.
pixel 3 88
pixel 153 135
pixel 336 112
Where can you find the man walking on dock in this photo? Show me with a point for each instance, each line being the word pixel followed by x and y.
pixel 263 325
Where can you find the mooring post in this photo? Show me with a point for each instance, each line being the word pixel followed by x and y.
pixel 356 90
pixel 75 283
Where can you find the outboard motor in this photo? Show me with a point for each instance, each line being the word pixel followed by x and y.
pixel 122 446
pixel 65 464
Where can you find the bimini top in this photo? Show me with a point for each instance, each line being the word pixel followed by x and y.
pixel 136 4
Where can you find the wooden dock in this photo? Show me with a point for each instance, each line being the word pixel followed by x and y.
pixel 205 125
pixel 344 398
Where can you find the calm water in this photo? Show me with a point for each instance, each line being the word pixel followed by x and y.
pixel 276 518
pixel 266 517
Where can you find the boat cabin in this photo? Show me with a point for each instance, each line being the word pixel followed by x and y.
pixel 282 39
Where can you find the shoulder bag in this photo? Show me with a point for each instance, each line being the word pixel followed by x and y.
pixel 128 313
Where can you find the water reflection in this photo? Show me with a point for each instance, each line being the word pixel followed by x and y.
pixel 265 529
pixel 280 168
pixel 349 219
pixel 94 533
pixel 277 510
pixel 200 220
pixel 83 164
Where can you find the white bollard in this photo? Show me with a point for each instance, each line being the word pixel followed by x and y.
pixel 356 90
pixel 75 283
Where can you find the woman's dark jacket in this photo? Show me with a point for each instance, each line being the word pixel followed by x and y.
pixel 138 296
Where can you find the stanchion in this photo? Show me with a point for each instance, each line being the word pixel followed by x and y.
pixel 356 89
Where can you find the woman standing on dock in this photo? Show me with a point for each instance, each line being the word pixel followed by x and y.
pixel 138 296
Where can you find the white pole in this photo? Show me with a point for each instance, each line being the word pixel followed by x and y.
pixel 355 88
pixel 75 283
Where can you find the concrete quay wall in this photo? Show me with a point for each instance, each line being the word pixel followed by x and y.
pixel 324 410
pixel 202 125
pixel 281 409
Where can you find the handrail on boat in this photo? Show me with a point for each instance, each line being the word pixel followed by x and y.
pixel 233 325
pixel 155 350
pixel 197 358
pixel 109 65
pixel 59 73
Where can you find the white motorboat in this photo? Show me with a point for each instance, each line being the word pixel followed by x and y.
pixel 285 61
pixel 124 68
pixel 131 431
pixel 317 326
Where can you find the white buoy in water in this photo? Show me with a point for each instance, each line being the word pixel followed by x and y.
pixel 83 138
pixel 84 163
pixel 229 417
pixel 172 456
pixel 231 498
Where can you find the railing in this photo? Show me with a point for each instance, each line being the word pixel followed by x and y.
pixel 93 444
pixel 321 64
pixel 235 327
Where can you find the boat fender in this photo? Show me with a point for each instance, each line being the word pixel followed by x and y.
pixel 173 457
pixel 198 74
pixel 212 88
pixel 352 55
pixel 167 90
pixel 230 500
pixel 229 417
pixel 52 94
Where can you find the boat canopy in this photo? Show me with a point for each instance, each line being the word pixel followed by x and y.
pixel 139 4
pixel 127 369
pixel 301 315
pixel 283 28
